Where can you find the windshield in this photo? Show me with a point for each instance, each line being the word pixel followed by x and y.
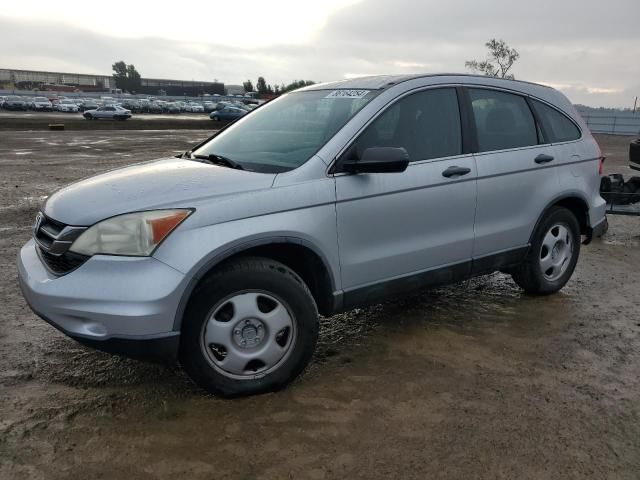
pixel 286 132
pixel 40 99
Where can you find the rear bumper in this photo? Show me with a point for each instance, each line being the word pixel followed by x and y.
pixel 600 229
pixel 597 230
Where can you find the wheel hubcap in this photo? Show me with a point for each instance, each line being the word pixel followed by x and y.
pixel 248 334
pixel 556 252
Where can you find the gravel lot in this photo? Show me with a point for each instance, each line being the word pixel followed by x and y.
pixel 472 381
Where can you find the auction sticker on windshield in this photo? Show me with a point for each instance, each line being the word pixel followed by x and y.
pixel 347 94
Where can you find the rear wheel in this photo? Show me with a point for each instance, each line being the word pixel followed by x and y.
pixel 553 254
pixel 249 328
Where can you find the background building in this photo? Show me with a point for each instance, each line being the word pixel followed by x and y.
pixel 59 81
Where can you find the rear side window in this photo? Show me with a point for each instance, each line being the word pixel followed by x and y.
pixel 426 124
pixel 503 120
pixel 556 125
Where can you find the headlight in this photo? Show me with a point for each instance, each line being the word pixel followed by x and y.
pixel 135 234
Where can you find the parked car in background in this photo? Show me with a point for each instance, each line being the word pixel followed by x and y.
pixel 14 102
pixel 144 105
pixel 223 103
pixel 172 107
pixel 88 104
pixel 131 105
pixel 194 107
pixel 242 106
pixel 154 107
pixel 67 105
pixel 209 106
pixel 110 112
pixel 227 114
pixel 41 104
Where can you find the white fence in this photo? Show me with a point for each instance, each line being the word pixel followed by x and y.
pixel 622 123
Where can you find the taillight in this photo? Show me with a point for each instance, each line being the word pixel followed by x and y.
pixel 601 159
pixel 601 165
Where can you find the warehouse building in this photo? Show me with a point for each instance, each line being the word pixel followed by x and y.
pixel 59 81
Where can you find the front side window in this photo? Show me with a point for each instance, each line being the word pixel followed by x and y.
pixel 503 120
pixel 288 131
pixel 556 125
pixel 426 124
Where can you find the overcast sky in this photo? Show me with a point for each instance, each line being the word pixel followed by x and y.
pixel 589 49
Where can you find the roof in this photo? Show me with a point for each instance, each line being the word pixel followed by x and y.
pixel 377 82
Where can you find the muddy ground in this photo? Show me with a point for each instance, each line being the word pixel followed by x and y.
pixel 472 381
pixel 40 121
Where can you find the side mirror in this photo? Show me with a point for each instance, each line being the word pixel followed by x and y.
pixel 378 160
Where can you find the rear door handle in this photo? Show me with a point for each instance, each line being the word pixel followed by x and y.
pixel 455 171
pixel 544 158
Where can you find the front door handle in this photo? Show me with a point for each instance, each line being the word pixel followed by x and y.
pixel 544 158
pixel 455 171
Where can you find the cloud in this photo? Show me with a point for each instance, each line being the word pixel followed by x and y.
pixel 587 49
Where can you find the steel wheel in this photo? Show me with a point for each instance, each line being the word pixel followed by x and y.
pixel 248 334
pixel 556 251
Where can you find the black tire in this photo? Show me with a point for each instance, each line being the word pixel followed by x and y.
pixel 237 276
pixel 216 119
pixel 89 117
pixel 529 275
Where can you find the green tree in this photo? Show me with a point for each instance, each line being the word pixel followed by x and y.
pixel 120 74
pixel 126 77
pixel 248 86
pixel 296 84
pixel 261 86
pixel 499 61
pixel 135 81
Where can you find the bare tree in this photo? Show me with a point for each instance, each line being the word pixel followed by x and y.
pixel 500 60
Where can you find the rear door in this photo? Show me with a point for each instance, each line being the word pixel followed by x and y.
pixel 396 229
pixel 517 177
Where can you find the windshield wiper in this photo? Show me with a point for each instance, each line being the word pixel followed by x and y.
pixel 218 160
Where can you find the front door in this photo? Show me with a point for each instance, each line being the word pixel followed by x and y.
pixel 398 231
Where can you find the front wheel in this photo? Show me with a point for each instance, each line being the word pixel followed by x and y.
pixel 249 328
pixel 216 119
pixel 89 117
pixel 553 254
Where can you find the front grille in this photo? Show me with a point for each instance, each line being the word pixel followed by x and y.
pixel 54 240
pixel 62 264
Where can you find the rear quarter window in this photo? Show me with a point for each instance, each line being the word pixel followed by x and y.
pixel 558 127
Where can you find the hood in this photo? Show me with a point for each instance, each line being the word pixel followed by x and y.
pixel 168 183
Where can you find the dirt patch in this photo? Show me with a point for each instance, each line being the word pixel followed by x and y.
pixel 476 380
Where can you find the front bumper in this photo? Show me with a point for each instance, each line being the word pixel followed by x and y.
pixel 123 305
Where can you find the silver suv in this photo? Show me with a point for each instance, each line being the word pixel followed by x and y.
pixel 334 196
